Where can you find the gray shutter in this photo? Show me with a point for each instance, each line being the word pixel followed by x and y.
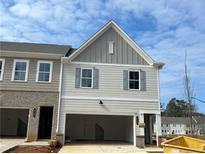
pixel 143 80
pixel 125 79
pixel 77 77
pixel 95 78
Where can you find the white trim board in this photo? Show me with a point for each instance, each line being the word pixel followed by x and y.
pixel 106 64
pixel 112 24
pixel 2 68
pixel 8 107
pixel 112 113
pixel 109 99
pixel 101 113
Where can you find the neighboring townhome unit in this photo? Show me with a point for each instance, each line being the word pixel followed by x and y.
pixel 110 91
pixel 29 89
pixel 183 125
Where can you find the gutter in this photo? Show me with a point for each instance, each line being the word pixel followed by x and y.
pixel 159 65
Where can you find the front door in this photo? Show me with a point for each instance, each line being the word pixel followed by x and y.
pixel 45 122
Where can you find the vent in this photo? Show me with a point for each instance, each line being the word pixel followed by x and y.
pixel 111 47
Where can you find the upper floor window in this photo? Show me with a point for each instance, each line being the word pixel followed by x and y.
pixel 44 71
pixel 86 78
pixel 134 80
pixel 20 70
pixel 2 61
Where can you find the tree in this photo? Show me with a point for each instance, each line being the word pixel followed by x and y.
pixel 178 108
pixel 188 91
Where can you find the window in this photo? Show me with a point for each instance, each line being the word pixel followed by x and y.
pixel 20 70
pixel 44 71
pixel 86 78
pixel 134 80
pixel 2 61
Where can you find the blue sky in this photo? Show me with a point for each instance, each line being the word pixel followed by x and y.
pixel 164 29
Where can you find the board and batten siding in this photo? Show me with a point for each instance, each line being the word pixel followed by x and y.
pixel 30 84
pixel 86 101
pixel 98 51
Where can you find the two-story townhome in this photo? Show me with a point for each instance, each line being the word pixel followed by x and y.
pixel 110 91
pixel 29 89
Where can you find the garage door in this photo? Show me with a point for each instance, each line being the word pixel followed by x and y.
pixel 99 127
pixel 14 122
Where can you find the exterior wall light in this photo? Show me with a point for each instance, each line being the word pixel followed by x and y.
pixel 100 102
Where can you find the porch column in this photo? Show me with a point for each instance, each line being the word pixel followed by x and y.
pixel 140 138
pixel 60 136
pixel 158 128
pixel 134 130
pixel 33 122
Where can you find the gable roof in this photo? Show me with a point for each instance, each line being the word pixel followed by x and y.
pixel 133 44
pixel 34 47
pixel 182 120
pixel 175 120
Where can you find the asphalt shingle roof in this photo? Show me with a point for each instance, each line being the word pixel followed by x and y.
pixel 35 47
pixel 182 120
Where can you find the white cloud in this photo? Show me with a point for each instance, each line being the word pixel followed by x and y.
pixel 21 10
pixel 177 26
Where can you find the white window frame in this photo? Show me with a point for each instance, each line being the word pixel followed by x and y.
pixel 14 67
pixel 50 73
pixel 2 68
pixel 81 75
pixel 135 80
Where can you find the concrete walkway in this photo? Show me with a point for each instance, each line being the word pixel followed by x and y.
pixel 7 143
pixel 100 148
pixel 36 143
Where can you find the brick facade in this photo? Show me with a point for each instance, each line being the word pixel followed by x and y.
pixel 31 100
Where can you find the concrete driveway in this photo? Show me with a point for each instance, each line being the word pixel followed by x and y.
pixel 7 143
pixel 100 147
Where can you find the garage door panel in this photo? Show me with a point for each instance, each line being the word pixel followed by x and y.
pixel 14 122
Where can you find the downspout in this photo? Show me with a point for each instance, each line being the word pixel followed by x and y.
pixel 157 125
pixel 157 121
pixel 59 99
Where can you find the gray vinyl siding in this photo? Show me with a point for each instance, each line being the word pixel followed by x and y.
pixel 31 84
pixel 110 82
pixel 98 51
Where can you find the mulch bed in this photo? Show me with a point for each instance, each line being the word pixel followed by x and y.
pixel 35 149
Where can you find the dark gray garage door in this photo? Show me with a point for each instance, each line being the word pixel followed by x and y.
pixel 13 122
pixel 99 127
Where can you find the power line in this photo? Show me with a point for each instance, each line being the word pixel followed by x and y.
pixel 198 99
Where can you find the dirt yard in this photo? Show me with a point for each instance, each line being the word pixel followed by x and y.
pixel 34 149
